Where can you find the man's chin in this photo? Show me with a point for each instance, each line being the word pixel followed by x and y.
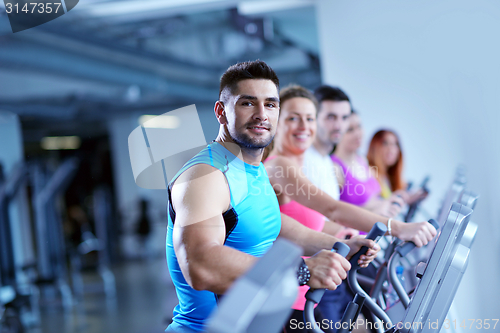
pixel 335 139
pixel 252 144
pixel 258 145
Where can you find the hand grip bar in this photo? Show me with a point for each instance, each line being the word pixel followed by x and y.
pixel 378 230
pixel 404 248
pixel 313 296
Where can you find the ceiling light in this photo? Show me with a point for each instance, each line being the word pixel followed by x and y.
pixel 162 121
pixel 268 6
pixel 60 142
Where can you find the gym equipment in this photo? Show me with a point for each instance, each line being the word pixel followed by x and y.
pixel 313 296
pixel 8 189
pixel 392 254
pixel 441 276
pixel 399 252
pixel 463 196
pixel 51 253
pixel 261 300
pixel 452 195
pixel 413 208
pixel 18 295
pixel 16 298
pixel 468 199
pixel 99 243
pixel 439 279
pixel 353 308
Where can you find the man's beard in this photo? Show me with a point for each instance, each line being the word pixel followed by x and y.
pixel 325 137
pixel 335 139
pixel 245 141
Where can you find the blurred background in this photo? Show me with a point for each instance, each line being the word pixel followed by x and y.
pixel 87 244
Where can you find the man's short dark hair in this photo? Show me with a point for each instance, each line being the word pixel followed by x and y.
pixel 329 93
pixel 242 71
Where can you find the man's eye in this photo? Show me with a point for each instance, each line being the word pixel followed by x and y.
pixel 271 105
pixel 310 119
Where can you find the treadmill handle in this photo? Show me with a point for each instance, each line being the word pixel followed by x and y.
pixel 313 296
pixel 406 247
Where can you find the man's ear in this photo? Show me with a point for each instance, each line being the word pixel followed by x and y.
pixel 220 112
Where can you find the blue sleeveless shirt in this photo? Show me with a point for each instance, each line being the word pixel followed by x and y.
pixel 253 223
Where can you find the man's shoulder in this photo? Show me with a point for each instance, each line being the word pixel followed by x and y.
pixel 205 161
pixel 200 173
pixel 199 170
pixel 201 186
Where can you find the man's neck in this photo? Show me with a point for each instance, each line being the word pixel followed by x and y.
pixel 249 156
pixel 323 148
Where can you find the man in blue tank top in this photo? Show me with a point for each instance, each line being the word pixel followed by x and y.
pixel 223 212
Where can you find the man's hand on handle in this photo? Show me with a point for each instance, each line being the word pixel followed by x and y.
pixel 356 243
pixel 327 269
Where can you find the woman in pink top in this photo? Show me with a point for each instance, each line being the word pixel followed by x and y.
pixel 295 133
pixel 311 219
pixel 357 181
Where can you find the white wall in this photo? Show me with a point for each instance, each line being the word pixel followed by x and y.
pixel 430 70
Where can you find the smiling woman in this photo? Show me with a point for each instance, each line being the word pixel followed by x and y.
pixel 300 199
pixel 298 127
pixel 295 133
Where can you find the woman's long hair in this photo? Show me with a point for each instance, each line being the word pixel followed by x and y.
pixel 394 172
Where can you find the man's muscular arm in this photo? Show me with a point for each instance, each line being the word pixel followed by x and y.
pixel 200 196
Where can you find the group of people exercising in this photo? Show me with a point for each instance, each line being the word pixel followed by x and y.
pixel 269 174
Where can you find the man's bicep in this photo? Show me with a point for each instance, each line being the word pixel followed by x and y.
pixel 197 237
pixel 199 198
pixel 196 244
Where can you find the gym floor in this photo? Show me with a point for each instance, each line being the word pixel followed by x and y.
pixel 144 303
